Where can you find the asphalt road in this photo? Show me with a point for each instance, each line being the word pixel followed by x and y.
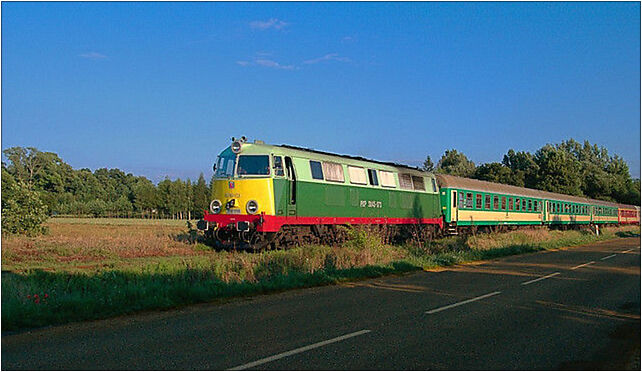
pixel 577 308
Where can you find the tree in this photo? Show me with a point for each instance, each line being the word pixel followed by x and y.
pixel 122 206
pixel 24 163
pixel 201 197
pixel 558 171
pixel 97 207
pixel 146 197
pixel 428 165
pixel 23 212
pixel 523 167
pixel 494 172
pixel 455 163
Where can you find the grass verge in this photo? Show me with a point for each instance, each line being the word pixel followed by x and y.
pixel 35 297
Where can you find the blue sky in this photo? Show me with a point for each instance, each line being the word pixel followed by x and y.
pixel 159 88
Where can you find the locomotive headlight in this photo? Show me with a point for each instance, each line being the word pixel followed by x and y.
pixel 236 147
pixel 215 206
pixel 252 207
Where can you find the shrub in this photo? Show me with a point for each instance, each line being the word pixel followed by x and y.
pixel 23 211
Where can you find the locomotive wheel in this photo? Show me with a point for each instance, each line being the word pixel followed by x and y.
pixel 262 241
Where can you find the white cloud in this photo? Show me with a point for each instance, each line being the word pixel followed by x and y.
pixel 274 23
pixel 328 57
pixel 92 55
pixel 273 64
pixel 260 60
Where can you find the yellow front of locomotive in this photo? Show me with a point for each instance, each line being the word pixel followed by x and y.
pixel 242 190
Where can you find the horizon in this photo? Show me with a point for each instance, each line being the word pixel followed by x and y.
pixel 158 89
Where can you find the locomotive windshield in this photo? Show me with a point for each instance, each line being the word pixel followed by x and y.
pixel 225 165
pixel 254 165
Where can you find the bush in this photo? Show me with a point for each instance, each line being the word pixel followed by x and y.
pixel 23 211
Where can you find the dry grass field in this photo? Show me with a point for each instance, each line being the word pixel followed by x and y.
pixel 83 244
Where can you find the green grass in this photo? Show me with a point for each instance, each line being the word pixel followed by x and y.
pixel 166 282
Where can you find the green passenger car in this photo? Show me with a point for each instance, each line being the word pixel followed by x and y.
pixel 468 202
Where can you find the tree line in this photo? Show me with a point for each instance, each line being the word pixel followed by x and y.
pixel 568 168
pixel 103 192
pixel 37 184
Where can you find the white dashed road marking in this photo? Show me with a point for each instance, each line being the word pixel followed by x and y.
pixel 542 278
pixel 607 257
pixel 462 303
pixel 582 265
pixel 297 351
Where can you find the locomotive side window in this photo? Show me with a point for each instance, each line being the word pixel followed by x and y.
pixel 333 172
pixel 387 179
pixel 357 175
pixel 372 177
pixel 487 202
pixel 405 181
pixel 418 184
pixel 478 201
pixel 278 166
pixel 316 170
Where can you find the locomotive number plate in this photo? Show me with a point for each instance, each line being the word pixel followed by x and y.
pixel 370 204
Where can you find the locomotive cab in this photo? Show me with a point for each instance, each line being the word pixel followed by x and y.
pixel 242 192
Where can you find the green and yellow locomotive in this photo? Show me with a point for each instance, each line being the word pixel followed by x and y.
pixel 261 189
pixel 265 194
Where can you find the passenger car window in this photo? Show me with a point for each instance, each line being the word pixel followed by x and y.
pixel 510 204
pixel 478 201
pixel 316 170
pixel 495 202
pixel 517 204
pixel 487 202
pixel 503 202
pixel 469 200
pixel 461 200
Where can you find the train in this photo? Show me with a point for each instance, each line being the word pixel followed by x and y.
pixel 270 195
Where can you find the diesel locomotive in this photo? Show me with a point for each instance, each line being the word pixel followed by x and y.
pixel 270 195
